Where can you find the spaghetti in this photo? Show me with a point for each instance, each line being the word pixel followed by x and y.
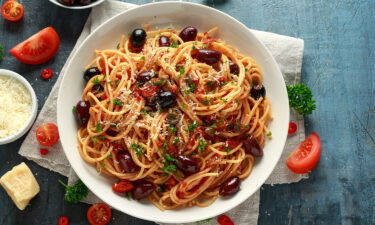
pixel 177 119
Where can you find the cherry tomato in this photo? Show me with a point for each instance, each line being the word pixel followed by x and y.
pixel 122 186
pixel 224 220
pixel 47 134
pixel 171 182
pixel 149 90
pixel 191 143
pixel 174 89
pixel 43 151
pixel 292 128
pixel 306 155
pixel 38 48
pixel 99 214
pixel 63 220
pixel 12 10
pixel 46 74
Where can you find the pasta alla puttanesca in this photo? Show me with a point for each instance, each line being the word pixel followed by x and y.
pixel 176 116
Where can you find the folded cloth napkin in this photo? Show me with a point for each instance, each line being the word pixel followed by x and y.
pixel 288 53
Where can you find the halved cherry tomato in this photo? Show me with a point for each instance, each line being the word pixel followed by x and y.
pixel 38 48
pixel 46 74
pixel 47 134
pixel 122 186
pixel 63 220
pixel 12 10
pixel 224 220
pixel 306 155
pixel 43 151
pixel 149 90
pixel 99 214
pixel 292 128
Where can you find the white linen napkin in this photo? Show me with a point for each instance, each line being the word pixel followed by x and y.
pixel 288 52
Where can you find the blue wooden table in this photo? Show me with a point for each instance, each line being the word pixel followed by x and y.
pixel 339 65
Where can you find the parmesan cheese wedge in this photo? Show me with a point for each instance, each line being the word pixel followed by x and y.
pixel 20 185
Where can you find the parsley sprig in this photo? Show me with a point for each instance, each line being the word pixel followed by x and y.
pixel 300 98
pixel 75 193
pixel 1 52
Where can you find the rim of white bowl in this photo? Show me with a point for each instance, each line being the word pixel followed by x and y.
pixel 97 2
pixel 220 211
pixel 29 122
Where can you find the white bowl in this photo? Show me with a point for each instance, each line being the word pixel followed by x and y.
pixel 95 3
pixel 29 122
pixel 178 14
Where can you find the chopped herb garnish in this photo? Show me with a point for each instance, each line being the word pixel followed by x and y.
pixel 94 140
pixel 214 126
pixel 176 140
pixel 159 82
pixel 102 138
pixel 114 124
pixel 206 101
pixel 117 82
pixel 269 133
pixel 138 149
pixel 301 98
pixel 96 81
pixel 98 128
pixel 246 126
pixel 167 156
pixel 173 129
pixel 129 33
pixel 206 46
pixel 224 100
pixel 220 121
pixel 223 84
pixel 117 102
pixel 202 145
pixel 74 109
pixel 174 45
pixel 205 221
pixel 169 167
pixel 102 165
pixel 110 156
pixel 183 105
pixel 160 190
pixel 228 150
pixel 246 69
pixel 128 195
pixel 192 126
pixel 143 58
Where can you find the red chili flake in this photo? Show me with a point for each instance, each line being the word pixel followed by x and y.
pixel 63 220
pixel 224 220
pixel 46 74
pixel 43 151
pixel 292 128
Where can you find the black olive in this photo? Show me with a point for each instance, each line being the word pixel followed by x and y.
pixel 258 91
pixel 208 56
pixel 67 2
pixel 166 100
pixel 234 68
pixel 138 38
pixel 252 146
pixel 164 41
pixel 188 34
pixel 230 186
pixel 174 116
pixel 91 72
pixel 145 76
pixel 83 112
pixel 187 164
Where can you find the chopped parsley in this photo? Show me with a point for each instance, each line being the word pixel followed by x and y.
pixel 222 84
pixel 94 140
pixel 220 121
pixel 169 167
pixel 98 128
pixel 101 138
pixel 301 98
pixel 202 145
pixel 183 105
pixel 74 109
pixel 167 156
pixel 110 156
pixel 224 100
pixel 143 58
pixel 159 82
pixel 205 221
pixel 114 124
pixel 96 81
pixel 176 140
pixel 206 46
pixel 192 126
pixel 206 101
pixel 173 129
pixel 102 165
pixel 227 150
pixel 174 45
pixel 269 133
pixel 246 69
pixel 138 149
pixel 246 126
pixel 117 102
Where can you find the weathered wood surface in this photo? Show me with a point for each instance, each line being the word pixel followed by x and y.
pixel 338 64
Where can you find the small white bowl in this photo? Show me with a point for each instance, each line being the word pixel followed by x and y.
pixel 29 122
pixel 95 3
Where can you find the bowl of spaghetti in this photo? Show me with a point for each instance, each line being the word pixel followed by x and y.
pixel 176 105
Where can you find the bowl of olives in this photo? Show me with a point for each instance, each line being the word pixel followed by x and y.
pixel 77 4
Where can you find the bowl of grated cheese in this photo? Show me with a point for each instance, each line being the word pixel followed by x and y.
pixel 18 106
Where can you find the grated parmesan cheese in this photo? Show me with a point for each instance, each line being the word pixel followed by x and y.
pixel 15 107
